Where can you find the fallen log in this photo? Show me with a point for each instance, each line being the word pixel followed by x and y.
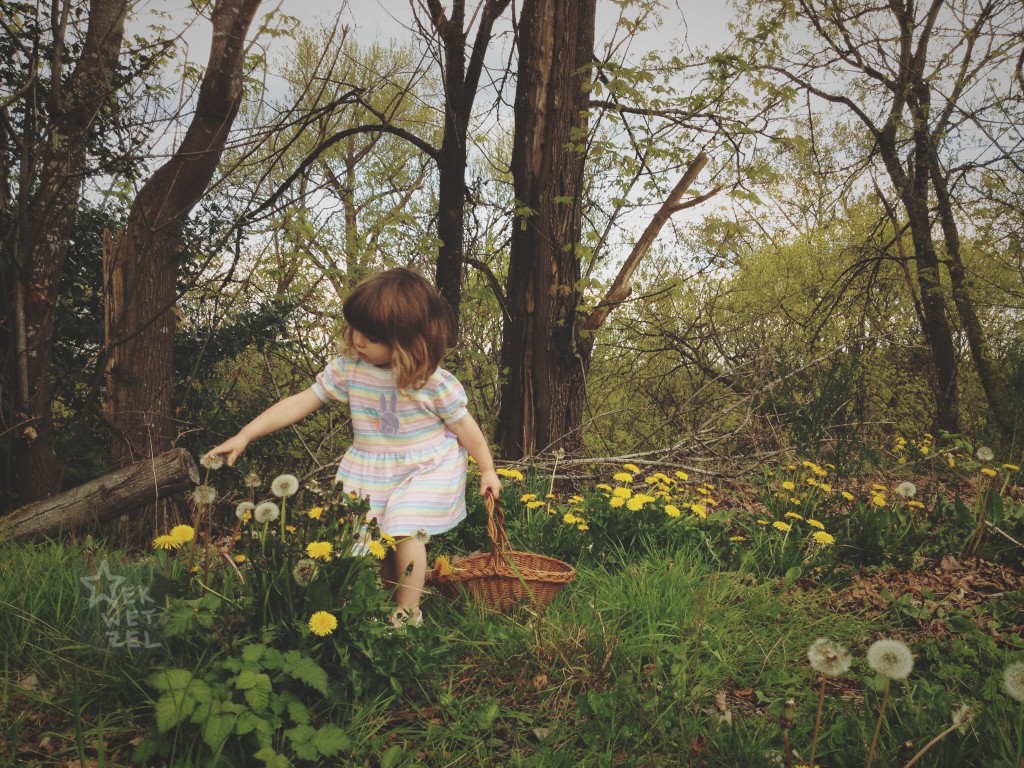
pixel 105 497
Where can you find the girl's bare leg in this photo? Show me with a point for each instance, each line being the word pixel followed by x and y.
pixel 408 552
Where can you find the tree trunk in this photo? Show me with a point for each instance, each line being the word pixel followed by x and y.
pixel 460 85
pixel 1007 419
pixel 141 268
pixel 46 217
pixel 142 263
pixel 113 494
pixel 544 390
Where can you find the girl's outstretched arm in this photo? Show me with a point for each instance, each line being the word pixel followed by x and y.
pixel 473 440
pixel 281 414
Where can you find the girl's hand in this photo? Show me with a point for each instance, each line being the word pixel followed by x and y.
pixel 489 483
pixel 230 449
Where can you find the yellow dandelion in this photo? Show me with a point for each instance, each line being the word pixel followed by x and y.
pixel 794 500
pixel 815 523
pixel 631 468
pixel 527 497
pixel 788 485
pixel 781 526
pixel 622 477
pixel 636 503
pixel 794 516
pixel 616 501
pixel 824 539
pixel 681 475
pixel 819 471
pixel 388 541
pixel 699 510
pixel 315 513
pixel 1011 467
pixel 878 500
pixel 877 487
pixel 826 487
pixel 376 549
pixel 536 504
pixel 914 503
pixel 322 623
pixel 622 493
pixel 811 481
pixel 577 499
pixel 763 522
pixel 988 471
pixel 511 474
pixel 166 541
pixel 846 495
pixel 737 538
pixel 183 533
pixel 603 487
pixel 290 528
pixel 583 527
pixel 570 519
pixel 320 550
pixel 240 559
pixel 672 510
pixel 443 565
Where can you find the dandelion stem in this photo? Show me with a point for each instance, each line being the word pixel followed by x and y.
pixel 931 744
pixel 817 721
pixel 878 725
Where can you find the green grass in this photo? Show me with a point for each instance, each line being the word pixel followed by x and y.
pixel 679 644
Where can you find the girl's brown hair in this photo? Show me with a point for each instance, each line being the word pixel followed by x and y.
pixel 399 307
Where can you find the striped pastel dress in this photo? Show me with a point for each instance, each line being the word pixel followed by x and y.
pixel 403 456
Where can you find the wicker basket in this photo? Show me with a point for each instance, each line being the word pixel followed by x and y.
pixel 504 577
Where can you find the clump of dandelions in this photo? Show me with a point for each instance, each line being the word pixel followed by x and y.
pixel 893 660
pixel 284 486
pixel 829 659
pixel 1013 681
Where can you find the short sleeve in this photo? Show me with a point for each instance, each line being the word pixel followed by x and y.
pixel 332 383
pixel 449 398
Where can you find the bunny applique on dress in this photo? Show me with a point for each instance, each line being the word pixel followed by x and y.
pixel 398 436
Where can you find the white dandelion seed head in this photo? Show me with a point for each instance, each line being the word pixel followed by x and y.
pixel 304 572
pixel 252 480
pixel 212 461
pixel 828 657
pixel 891 658
pixel 984 453
pixel 243 509
pixel 906 489
pixel 963 717
pixel 266 512
pixel 1013 681
pixel 421 536
pixel 284 485
pixel 204 495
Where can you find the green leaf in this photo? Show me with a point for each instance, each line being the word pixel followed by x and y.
pixel 272 759
pixel 256 688
pixel 298 712
pixel 217 730
pixel 304 669
pixel 391 757
pixel 170 679
pixel 330 740
pixel 253 652
pixel 171 709
pixel 247 722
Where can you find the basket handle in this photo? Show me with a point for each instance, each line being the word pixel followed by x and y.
pixel 495 526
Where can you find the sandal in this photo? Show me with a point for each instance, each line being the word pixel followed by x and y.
pixel 400 618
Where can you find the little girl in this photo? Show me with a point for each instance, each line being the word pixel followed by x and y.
pixel 411 429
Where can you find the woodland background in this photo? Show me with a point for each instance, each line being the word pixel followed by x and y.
pixel 689 256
